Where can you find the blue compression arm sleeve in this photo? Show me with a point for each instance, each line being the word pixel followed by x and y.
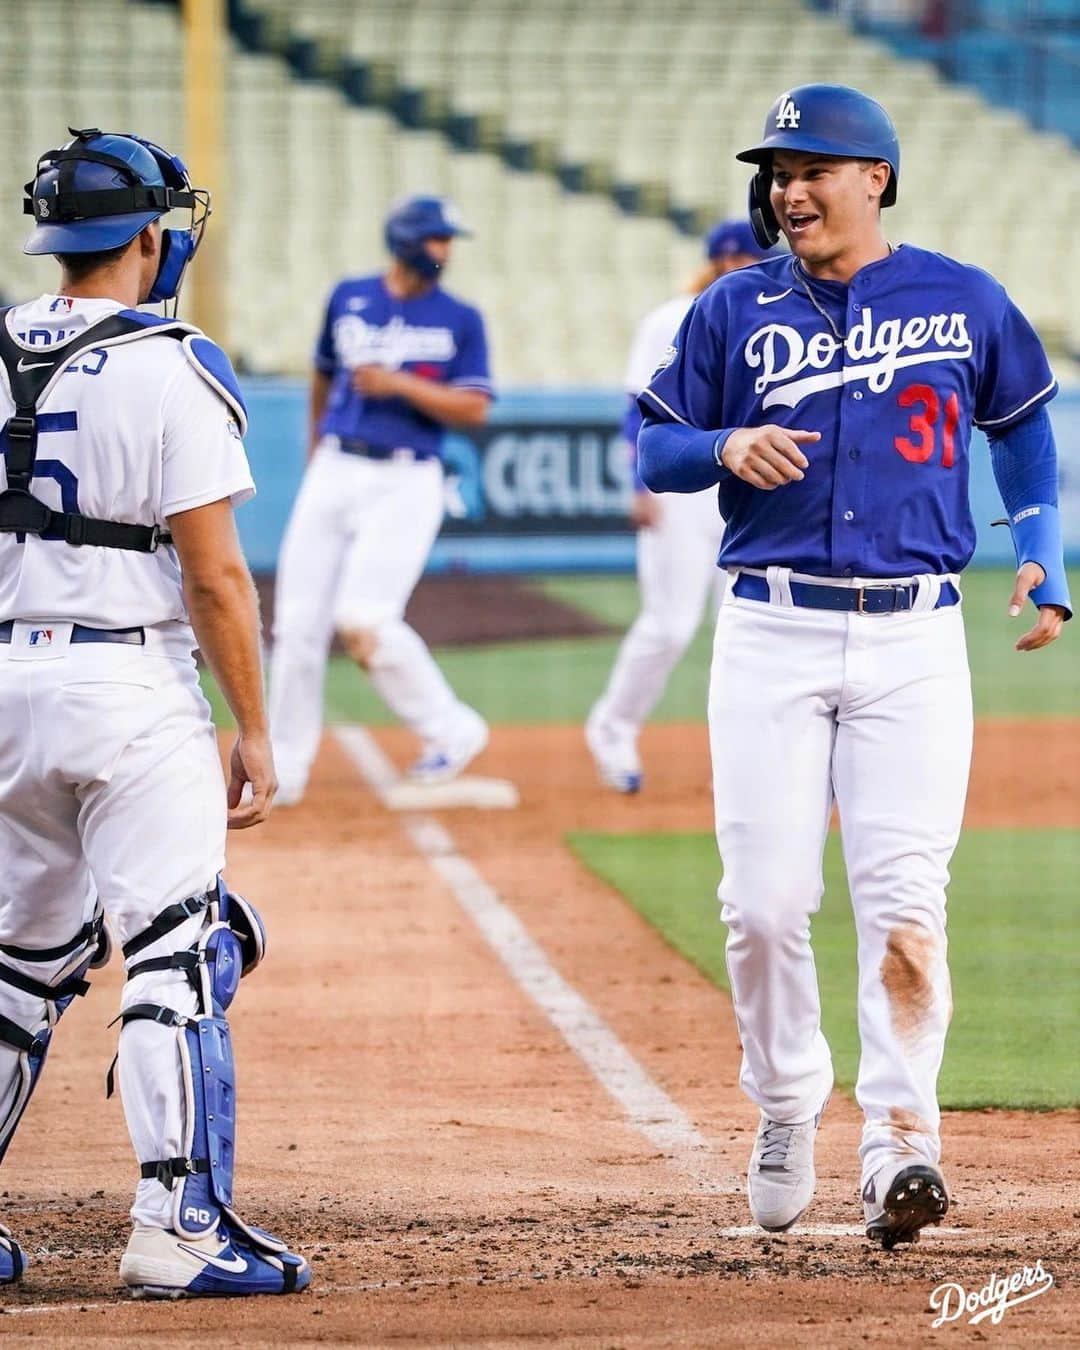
pixel 631 425
pixel 677 458
pixel 1025 466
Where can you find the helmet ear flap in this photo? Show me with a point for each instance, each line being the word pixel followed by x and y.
pixel 762 217
pixel 177 248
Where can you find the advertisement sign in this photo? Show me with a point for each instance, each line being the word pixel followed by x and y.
pixel 546 484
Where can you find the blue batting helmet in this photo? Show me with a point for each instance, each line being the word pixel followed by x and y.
pixel 414 220
pixel 730 237
pixel 100 189
pixel 821 119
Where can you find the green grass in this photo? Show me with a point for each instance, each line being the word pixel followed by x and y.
pixel 530 683
pixel 557 681
pixel 1012 949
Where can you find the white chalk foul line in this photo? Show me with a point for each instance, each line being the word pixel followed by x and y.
pixel 650 1110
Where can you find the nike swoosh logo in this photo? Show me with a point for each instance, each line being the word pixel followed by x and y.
pixel 764 299
pixel 236 1266
pixel 33 365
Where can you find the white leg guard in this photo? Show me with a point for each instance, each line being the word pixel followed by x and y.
pixel 36 987
pixel 178 1081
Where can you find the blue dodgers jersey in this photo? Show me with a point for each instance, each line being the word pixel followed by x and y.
pixel 932 346
pixel 435 336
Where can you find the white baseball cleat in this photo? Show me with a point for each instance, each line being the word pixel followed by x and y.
pixel 445 760
pixel 781 1179
pixel 900 1199
pixel 614 751
pixel 224 1263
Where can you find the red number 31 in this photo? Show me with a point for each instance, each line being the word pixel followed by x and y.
pixel 923 424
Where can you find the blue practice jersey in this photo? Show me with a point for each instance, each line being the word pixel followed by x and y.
pixel 932 346
pixel 435 336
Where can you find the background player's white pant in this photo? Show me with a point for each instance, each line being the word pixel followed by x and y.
pixel 110 785
pixel 677 574
pixel 356 546
pixel 874 712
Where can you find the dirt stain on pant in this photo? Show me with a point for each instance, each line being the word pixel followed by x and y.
pixel 906 1122
pixel 910 953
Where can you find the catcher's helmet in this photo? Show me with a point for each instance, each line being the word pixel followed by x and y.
pixel 416 219
pixel 101 188
pixel 823 119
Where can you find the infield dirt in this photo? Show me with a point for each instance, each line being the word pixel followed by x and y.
pixel 411 1121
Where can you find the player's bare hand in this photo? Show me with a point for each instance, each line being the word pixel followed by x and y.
pixel 646 510
pixel 767 457
pixel 375 381
pixel 1051 617
pixel 251 763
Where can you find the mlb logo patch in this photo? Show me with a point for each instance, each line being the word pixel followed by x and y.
pixel 41 637
pixel 61 302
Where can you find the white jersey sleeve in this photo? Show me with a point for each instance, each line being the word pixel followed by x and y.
pixel 203 457
pixel 653 335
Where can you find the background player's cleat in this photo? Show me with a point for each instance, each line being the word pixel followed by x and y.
pixel 900 1199
pixel 613 747
pixel 12 1260
pixel 780 1179
pixel 224 1263
pixel 441 762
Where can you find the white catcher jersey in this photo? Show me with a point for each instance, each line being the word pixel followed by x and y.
pixel 652 337
pixel 130 433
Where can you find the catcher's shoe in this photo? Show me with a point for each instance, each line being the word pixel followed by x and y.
pixel 781 1179
pixel 439 763
pixel 900 1199
pixel 233 1261
pixel 12 1260
pixel 614 751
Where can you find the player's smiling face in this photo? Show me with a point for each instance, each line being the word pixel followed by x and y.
pixel 826 207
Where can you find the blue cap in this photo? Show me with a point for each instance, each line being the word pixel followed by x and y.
pixel 730 237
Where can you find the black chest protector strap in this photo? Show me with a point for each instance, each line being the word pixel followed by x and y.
pixel 29 373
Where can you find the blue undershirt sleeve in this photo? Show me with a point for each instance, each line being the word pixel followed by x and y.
pixel 1024 458
pixel 677 458
pixel 631 425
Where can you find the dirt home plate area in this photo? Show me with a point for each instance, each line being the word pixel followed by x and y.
pixel 467 1163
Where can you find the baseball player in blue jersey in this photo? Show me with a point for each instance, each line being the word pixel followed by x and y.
pixel 831 394
pixel 677 543
pixel 398 360
pixel 122 462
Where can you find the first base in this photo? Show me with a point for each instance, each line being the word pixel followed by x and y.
pixel 485 794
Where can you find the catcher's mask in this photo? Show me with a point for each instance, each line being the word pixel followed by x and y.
pixel 100 189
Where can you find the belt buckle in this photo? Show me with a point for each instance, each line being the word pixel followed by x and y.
pixel 860 603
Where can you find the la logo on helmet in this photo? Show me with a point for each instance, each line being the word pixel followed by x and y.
pixel 788 114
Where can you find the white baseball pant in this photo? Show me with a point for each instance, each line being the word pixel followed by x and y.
pixel 356 545
pixel 872 712
pixel 677 575
pixel 110 786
